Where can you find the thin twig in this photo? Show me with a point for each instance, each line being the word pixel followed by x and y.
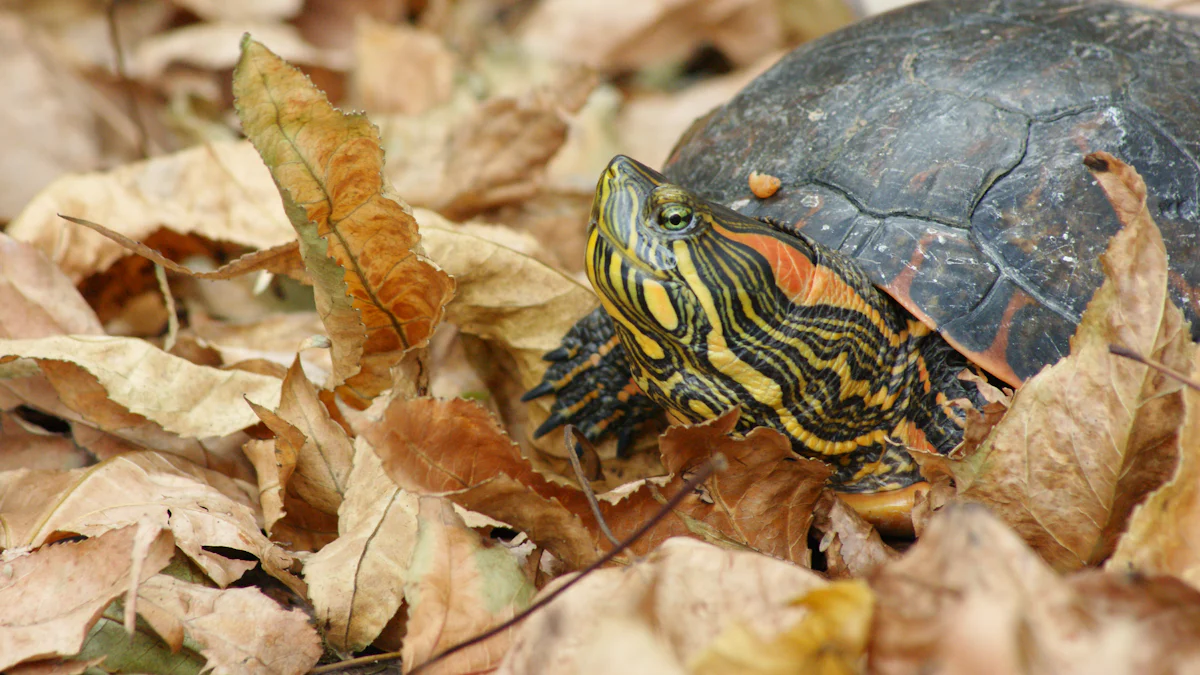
pixel 1165 370
pixel 572 442
pixel 715 463
pixel 135 111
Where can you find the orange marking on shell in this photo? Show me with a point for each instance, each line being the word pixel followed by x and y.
pixel 994 359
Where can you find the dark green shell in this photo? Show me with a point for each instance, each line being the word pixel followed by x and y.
pixel 940 147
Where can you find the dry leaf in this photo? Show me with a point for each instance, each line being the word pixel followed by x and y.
pixel 851 546
pixel 220 191
pixel 632 35
pixel 390 53
pixel 213 46
pixel 356 582
pixel 456 448
pixel 273 464
pixel 46 96
pixel 971 597
pixel 203 509
pixel 673 604
pixel 1164 531
pixel 831 639
pixel 214 10
pixel 328 166
pixel 25 446
pixel 510 300
pixel 1087 438
pixel 323 462
pixel 241 630
pixel 458 587
pixel 52 596
pixel 108 380
pixel 36 299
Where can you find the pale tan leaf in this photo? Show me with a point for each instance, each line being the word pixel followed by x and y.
pixel 213 46
pixel 970 597
pixel 100 376
pixel 221 191
pixel 274 465
pixel 356 583
pixel 511 300
pixel 36 299
pixel 276 338
pixel 215 10
pixel 457 588
pixel 390 53
pixel 831 639
pixel 202 508
pixel 324 461
pixel 631 35
pixel 682 597
pixel 52 596
pixel 1087 438
pixel 46 96
pixel 241 630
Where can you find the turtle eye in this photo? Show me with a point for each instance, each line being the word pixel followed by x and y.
pixel 675 217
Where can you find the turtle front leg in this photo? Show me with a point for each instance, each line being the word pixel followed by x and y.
pixel 589 376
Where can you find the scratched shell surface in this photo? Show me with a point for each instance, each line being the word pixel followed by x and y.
pixel 941 146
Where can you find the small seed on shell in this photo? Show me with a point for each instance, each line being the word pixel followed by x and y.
pixel 763 185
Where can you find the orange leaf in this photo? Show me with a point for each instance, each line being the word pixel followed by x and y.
pixel 378 297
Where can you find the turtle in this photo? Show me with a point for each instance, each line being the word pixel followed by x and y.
pixel 932 218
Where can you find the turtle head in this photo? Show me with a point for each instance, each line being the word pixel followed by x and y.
pixel 692 287
pixel 640 224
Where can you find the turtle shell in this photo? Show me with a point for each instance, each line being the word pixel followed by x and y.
pixel 940 146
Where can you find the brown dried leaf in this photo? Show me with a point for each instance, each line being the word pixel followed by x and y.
pixel 458 587
pixel 220 191
pixel 457 448
pixel 1087 438
pixel 52 596
pixel 25 446
pixel 116 382
pixel 202 508
pixel 329 169
pixel 1164 531
pixel 852 547
pixel 241 629
pixel 971 597
pixel 660 613
pixel 356 583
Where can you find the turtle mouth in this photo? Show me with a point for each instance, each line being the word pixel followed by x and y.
pixel 605 248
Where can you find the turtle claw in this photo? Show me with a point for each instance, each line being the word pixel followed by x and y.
pixel 589 377
pixel 558 354
pixel 544 388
